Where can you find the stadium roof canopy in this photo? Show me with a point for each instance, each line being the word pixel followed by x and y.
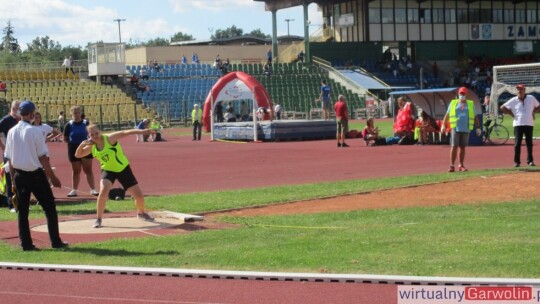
pixel 368 82
pixel 436 101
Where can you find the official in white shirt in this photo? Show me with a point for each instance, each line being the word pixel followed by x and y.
pixel 522 108
pixel 31 171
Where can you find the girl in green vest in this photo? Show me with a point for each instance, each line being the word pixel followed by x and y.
pixel 114 166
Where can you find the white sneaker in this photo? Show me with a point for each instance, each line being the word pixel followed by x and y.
pixel 94 192
pixel 97 224
pixel 72 193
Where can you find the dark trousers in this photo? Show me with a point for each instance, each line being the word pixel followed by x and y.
pixel 519 131
pixel 9 192
pixel 197 129
pixel 35 182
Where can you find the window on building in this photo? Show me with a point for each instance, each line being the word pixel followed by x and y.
pixel 425 15
pixel 508 16
pixel 412 15
pixel 474 15
pixel 485 16
pixel 450 15
pixel 374 15
pixel 462 15
pixel 531 16
pixel 438 15
pixel 498 16
pixel 521 16
pixel 400 15
pixel 387 15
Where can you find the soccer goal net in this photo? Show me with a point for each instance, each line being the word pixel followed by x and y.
pixel 505 79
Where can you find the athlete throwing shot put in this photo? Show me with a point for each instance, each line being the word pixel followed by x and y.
pixel 114 166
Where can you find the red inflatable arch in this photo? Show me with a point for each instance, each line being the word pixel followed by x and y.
pixel 236 86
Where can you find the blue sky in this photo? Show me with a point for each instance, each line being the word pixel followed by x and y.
pixel 77 22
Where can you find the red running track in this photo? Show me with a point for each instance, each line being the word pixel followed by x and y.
pixel 21 286
pixel 180 165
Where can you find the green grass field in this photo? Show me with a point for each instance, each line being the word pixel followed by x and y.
pixel 492 240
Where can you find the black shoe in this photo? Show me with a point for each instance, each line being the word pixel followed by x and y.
pixel 516 165
pixel 344 145
pixel 339 145
pixel 531 164
pixel 31 248
pixel 60 245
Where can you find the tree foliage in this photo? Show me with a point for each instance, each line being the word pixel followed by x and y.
pixel 181 37
pixel 229 32
pixel 233 31
pixel 259 33
pixel 9 42
pixel 41 49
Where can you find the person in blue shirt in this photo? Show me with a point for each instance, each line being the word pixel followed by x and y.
pixel 74 134
pixel 326 106
pixel 141 126
pixel 463 120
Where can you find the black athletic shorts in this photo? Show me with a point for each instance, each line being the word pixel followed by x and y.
pixel 125 178
pixel 72 148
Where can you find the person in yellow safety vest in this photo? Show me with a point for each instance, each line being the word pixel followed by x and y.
pixel 2 180
pixel 196 120
pixel 463 120
pixel 155 126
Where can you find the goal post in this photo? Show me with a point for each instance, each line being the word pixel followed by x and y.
pixel 507 77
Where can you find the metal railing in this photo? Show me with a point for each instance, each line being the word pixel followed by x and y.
pixel 80 65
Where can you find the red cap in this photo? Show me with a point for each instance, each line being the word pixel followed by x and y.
pixel 463 90
pixel 520 86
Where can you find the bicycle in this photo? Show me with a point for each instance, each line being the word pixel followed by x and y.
pixel 494 132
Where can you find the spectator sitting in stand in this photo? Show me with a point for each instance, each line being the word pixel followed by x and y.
pixel 267 70
pixel 217 62
pixel 3 87
pixel 370 132
pixel 133 80
pixel 144 75
pixel 300 57
pixel 143 87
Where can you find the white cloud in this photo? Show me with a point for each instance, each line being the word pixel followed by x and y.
pixel 71 24
pixel 210 5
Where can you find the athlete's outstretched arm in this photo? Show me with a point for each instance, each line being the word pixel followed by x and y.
pixel 115 136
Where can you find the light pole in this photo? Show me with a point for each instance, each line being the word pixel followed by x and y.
pixel 119 34
pixel 288 20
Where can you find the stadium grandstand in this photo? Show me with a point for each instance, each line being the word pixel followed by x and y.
pixel 364 49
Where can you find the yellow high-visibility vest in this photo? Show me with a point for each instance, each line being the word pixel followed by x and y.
pixel 453 117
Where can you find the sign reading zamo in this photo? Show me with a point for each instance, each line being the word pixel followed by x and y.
pixel 467 294
pixel 504 31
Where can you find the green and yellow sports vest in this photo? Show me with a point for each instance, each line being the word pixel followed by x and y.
pixel 112 157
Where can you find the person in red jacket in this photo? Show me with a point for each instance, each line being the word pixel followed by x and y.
pixel 342 119
pixel 3 87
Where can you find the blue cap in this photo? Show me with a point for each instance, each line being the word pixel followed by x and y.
pixel 26 107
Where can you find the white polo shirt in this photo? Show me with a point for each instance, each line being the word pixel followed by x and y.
pixel 523 111
pixel 45 129
pixel 24 146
